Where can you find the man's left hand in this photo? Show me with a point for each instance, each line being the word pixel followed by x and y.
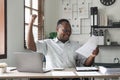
pixel 95 52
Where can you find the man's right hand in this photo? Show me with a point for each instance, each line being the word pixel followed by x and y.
pixel 34 16
pixel 30 38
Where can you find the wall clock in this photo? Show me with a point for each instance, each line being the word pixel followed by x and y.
pixel 107 2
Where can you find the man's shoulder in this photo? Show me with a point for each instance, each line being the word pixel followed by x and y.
pixel 45 40
pixel 49 40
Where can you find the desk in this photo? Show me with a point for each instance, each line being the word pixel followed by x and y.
pixel 67 73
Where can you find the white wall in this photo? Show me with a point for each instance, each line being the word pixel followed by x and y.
pixel 107 54
pixel 51 15
pixel 112 11
pixel 15 29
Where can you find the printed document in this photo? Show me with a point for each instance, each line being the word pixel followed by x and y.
pixel 91 73
pixel 87 68
pixel 87 49
pixel 63 73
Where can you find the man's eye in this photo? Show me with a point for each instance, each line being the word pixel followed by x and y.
pixel 66 30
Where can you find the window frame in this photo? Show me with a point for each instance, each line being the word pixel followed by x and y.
pixel 40 19
pixel 3 56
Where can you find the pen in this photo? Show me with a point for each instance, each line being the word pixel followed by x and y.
pixel 13 69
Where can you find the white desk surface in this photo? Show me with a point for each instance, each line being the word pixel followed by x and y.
pixel 67 73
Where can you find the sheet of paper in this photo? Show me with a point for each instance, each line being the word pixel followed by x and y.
pixel 87 49
pixel 110 70
pixel 92 73
pixel 63 73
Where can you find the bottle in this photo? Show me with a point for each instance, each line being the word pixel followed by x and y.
pixel 108 42
pixel 107 37
pixel 44 62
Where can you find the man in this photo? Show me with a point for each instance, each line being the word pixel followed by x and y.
pixel 59 52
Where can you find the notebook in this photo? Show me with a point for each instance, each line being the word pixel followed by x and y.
pixel 30 62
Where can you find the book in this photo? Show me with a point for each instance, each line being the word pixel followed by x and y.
pixel 91 16
pixel 94 16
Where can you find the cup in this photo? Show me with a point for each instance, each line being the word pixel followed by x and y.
pixel 3 67
pixel 2 70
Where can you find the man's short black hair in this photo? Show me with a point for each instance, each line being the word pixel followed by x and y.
pixel 62 20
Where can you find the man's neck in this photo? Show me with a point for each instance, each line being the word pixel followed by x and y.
pixel 63 41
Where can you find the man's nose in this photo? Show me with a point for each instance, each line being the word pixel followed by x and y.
pixel 68 33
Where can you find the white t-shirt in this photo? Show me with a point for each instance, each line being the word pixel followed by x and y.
pixel 58 54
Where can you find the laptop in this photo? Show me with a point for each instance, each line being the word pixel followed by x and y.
pixel 30 62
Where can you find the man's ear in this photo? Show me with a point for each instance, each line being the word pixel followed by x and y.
pixel 57 28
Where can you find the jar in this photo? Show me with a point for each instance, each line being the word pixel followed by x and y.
pixel 3 67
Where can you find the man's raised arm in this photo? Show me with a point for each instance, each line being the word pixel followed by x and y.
pixel 30 38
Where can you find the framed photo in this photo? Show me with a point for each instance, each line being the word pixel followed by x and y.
pixel 3 30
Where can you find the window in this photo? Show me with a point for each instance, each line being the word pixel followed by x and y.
pixel 3 34
pixel 34 7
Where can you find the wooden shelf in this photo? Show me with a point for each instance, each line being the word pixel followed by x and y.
pixel 109 45
pixel 116 65
pixel 104 27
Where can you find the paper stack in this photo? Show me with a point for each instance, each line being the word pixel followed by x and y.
pixel 86 68
pixel 110 70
